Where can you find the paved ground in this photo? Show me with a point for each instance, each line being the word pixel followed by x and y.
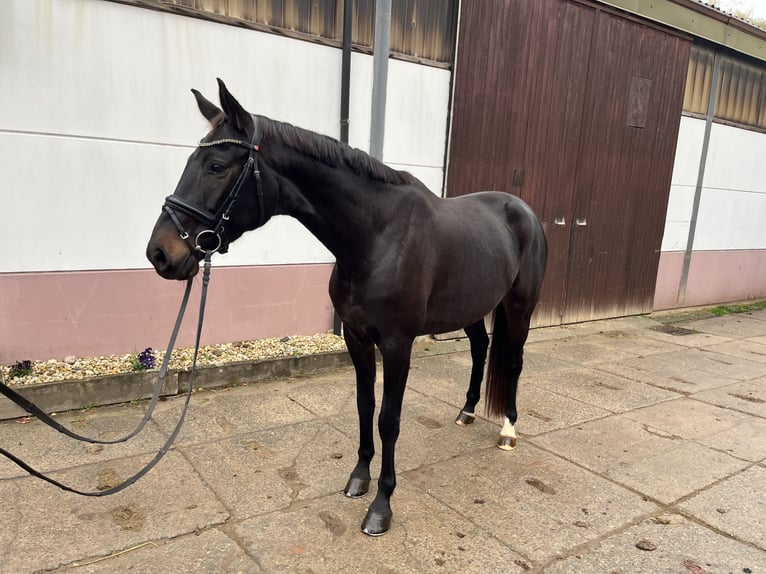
pixel 639 452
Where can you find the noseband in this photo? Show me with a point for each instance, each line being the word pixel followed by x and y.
pixel 215 221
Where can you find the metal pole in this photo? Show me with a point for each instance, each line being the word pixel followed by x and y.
pixel 700 178
pixel 381 47
pixel 345 97
pixel 345 70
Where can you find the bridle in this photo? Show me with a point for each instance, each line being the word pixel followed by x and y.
pixel 216 222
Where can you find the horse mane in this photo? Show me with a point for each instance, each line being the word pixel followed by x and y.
pixel 332 152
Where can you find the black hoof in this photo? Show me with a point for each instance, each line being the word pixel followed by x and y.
pixel 465 418
pixel 356 487
pixel 375 524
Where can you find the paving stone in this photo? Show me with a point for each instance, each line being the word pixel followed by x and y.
pixel 260 472
pixel 588 328
pixel 426 536
pixel 676 376
pixel 606 325
pixel 542 410
pixel 601 389
pixel 534 363
pixel 693 339
pixel 535 502
pixel 656 463
pixel 445 378
pixel 583 351
pixel 748 396
pixel 714 363
pixel 47 528
pixel 735 506
pixel 738 326
pixel 681 546
pixel 736 433
pixel 749 349
pixel 606 443
pixel 210 551
pixel 634 343
pixel 214 415
pixel 46 449
pixel 326 394
pixel 547 334
pixel 538 362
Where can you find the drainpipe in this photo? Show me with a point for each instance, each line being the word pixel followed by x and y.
pixel 681 300
pixel 345 70
pixel 345 91
pixel 381 47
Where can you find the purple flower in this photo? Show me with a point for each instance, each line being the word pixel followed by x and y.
pixel 144 360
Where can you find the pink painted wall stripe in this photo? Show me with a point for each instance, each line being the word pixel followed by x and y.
pixel 714 277
pixel 92 313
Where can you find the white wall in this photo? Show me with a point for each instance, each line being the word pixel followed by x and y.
pixel 417 100
pixel 96 122
pixel 733 206
pixel 683 183
pixel 733 201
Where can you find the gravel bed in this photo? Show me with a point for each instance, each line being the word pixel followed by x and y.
pixel 75 368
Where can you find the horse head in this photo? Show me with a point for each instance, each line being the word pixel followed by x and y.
pixel 221 172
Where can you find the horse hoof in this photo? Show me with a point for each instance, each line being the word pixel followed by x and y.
pixel 465 418
pixel 506 442
pixel 356 487
pixel 375 524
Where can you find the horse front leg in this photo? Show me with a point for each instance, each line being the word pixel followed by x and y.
pixel 362 352
pixel 396 365
pixel 477 335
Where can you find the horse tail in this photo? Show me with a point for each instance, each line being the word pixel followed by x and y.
pixel 499 367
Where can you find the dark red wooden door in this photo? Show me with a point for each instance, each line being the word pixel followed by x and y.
pixel 576 110
pixel 630 129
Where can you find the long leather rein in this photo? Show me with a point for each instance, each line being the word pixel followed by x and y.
pixel 33 409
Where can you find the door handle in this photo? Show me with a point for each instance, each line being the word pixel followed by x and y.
pixel 581 222
pixel 559 221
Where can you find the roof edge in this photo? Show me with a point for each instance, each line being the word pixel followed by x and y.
pixel 701 21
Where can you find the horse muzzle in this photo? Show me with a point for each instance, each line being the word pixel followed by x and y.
pixel 173 263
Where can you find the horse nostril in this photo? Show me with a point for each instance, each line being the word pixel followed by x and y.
pixel 158 258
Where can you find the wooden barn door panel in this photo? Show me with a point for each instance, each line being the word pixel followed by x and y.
pixel 517 115
pixel 552 140
pixel 576 110
pixel 630 127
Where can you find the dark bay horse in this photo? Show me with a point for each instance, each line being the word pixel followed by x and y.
pixel 408 263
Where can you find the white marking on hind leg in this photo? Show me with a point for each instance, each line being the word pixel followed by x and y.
pixel 508 429
pixel 507 438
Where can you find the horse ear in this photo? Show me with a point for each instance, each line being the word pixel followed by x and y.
pixel 208 109
pixel 241 119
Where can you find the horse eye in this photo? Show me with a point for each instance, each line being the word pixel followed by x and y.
pixel 217 167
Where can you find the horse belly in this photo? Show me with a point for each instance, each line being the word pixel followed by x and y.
pixel 459 303
pixel 477 263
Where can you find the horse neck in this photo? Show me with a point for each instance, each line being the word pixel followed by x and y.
pixel 338 206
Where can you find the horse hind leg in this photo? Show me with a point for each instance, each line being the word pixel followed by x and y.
pixel 506 360
pixel 477 335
